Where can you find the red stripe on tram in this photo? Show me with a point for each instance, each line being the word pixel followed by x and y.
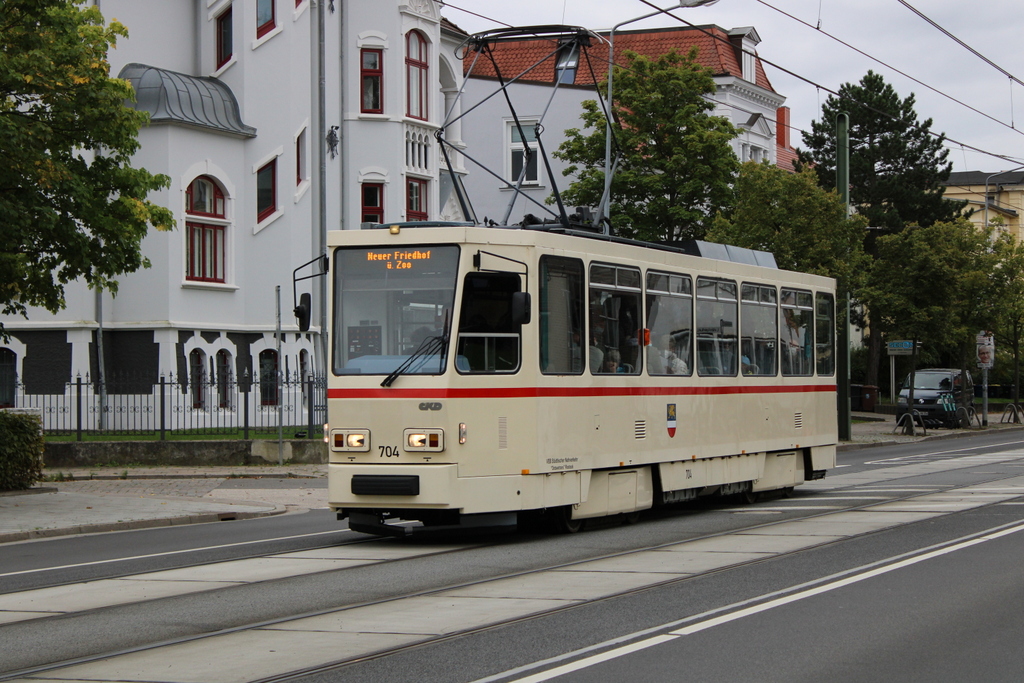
pixel 570 392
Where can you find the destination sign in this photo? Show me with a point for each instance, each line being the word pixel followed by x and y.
pixel 398 259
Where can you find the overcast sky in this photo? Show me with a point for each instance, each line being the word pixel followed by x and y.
pixel 884 29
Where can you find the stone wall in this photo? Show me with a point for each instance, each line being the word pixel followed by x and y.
pixel 181 453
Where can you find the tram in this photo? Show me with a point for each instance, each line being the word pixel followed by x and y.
pixel 484 376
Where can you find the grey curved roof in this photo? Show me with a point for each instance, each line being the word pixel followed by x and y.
pixel 172 97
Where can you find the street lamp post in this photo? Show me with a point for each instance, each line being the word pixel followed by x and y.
pixel 604 207
pixel 986 189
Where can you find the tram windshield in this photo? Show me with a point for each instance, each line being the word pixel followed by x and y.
pixel 393 304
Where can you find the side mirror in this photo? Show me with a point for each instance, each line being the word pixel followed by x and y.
pixel 520 308
pixel 302 311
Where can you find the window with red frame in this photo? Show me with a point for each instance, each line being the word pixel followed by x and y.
pixel 266 191
pixel 265 17
pixel 416 199
pixel 416 71
pixel 205 241
pixel 371 76
pixel 204 198
pixel 225 47
pixel 205 252
pixel 373 203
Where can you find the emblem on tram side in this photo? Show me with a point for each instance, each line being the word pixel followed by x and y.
pixel 671 420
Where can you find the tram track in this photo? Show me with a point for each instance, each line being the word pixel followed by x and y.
pixel 447 588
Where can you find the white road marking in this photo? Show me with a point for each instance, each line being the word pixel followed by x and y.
pixel 720 619
pixel 172 552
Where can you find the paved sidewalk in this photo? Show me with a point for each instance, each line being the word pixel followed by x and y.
pixel 98 499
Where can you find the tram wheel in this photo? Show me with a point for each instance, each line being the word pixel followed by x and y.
pixel 631 517
pixel 749 497
pixel 788 492
pixel 564 523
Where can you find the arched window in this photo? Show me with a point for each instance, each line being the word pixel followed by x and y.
pixel 204 228
pixel 8 377
pixel 417 69
pixel 223 378
pixel 268 378
pixel 197 378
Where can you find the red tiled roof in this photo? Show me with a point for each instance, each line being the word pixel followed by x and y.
pixel 784 158
pixel 714 50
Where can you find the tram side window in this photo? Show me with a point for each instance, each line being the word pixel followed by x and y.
pixel 797 333
pixel 562 341
pixel 670 319
pixel 717 323
pixel 614 346
pixel 488 341
pixel 759 329
pixel 825 333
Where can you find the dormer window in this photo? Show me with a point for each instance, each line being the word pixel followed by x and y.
pixel 568 61
pixel 745 41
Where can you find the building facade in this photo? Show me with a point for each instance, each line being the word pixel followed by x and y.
pixel 996 197
pixel 241 125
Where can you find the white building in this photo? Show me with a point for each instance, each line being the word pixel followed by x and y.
pixel 232 87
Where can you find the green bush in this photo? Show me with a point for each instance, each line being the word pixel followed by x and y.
pixel 21 450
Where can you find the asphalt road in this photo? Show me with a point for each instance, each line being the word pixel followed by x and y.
pixel 883 571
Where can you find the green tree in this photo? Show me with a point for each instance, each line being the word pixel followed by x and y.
pixel 676 167
pixel 804 226
pixel 936 284
pixel 897 167
pixel 1009 308
pixel 71 204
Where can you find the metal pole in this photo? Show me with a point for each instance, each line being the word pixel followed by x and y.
pixel 321 147
pixel 245 411
pixel 277 383
pixel 101 366
pixel 78 407
pixel 163 408
pixel 984 396
pixel 892 379
pixel 604 209
pixel 843 333
pixel 310 403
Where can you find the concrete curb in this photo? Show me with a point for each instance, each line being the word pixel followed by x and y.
pixel 203 518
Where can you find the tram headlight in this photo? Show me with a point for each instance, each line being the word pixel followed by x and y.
pixel 350 440
pixel 424 440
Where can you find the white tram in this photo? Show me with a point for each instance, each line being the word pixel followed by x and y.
pixel 480 374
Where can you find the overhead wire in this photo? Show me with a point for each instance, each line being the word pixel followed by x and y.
pixel 889 66
pixel 962 43
pixel 942 136
pixel 809 81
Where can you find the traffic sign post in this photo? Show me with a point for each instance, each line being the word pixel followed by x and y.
pixel 897 348
pixel 986 359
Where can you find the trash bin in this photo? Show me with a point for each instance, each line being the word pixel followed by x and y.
pixel 869 398
pixel 857 397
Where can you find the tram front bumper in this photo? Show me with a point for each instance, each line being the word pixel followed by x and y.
pixel 424 487
pixel 439 487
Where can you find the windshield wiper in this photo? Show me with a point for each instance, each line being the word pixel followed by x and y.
pixel 427 347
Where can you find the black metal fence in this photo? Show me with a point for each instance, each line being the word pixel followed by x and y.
pixel 179 406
